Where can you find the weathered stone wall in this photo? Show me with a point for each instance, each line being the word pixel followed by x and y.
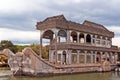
pixel 28 62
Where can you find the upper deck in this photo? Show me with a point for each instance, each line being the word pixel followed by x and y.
pixel 60 22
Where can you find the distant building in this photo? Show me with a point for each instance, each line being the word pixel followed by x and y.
pixel 75 43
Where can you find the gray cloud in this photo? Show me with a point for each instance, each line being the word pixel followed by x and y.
pixel 25 15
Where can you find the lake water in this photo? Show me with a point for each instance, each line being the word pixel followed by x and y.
pixel 83 76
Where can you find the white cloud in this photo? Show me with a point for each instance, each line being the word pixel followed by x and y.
pixel 116 41
pixel 11 5
pixel 20 6
pixel 115 29
pixel 22 14
pixel 11 34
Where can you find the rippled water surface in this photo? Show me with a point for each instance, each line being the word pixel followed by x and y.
pixel 85 76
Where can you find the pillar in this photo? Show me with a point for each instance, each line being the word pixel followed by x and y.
pixel 40 47
pixel 41 35
pixel 95 39
pixel 106 55
pixel 91 56
pixel 85 37
pixel 61 58
pixel 78 41
pixel 56 55
pixel 68 36
pixel 111 57
pixel 67 57
pixel 91 39
pixel 101 38
pixel 101 58
pixel 95 55
pixel 85 57
pixel 70 56
pixel 78 56
pixel 110 42
pixel 50 56
pixel 116 57
pixel 106 42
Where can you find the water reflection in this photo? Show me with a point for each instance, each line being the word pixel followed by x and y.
pixel 116 76
pixel 85 76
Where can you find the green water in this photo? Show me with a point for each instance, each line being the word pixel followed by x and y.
pixel 83 76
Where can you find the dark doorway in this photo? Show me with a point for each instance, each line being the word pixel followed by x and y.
pixel 64 57
pixel 88 38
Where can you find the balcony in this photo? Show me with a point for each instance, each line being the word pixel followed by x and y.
pixel 82 44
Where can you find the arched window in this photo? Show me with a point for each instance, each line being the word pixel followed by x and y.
pixel 88 38
pixel 98 57
pixel 73 36
pixel 48 37
pixel 81 38
pixel 62 36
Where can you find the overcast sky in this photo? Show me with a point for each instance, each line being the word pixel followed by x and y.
pixel 18 17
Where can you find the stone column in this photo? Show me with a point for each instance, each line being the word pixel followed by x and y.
pixel 85 37
pixel 111 58
pixel 68 36
pixel 78 41
pixel 116 57
pixel 106 42
pixel 85 57
pixel 95 39
pixel 40 47
pixel 91 39
pixel 41 36
pixel 50 56
pixel 106 55
pixel 67 57
pixel 101 58
pixel 91 56
pixel 110 42
pixel 56 55
pixel 95 55
pixel 78 56
pixel 101 40
pixel 61 58
pixel 70 51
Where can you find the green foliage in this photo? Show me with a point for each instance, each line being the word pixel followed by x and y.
pixel 36 48
pixel 17 48
pixel 20 48
pixel 8 44
pixel 44 53
pixel 5 44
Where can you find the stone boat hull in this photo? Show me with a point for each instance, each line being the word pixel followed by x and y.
pixel 29 63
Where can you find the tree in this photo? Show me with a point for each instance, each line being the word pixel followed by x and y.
pixel 20 48
pixel 8 44
pixel 45 52
pixel 36 48
pixel 5 44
